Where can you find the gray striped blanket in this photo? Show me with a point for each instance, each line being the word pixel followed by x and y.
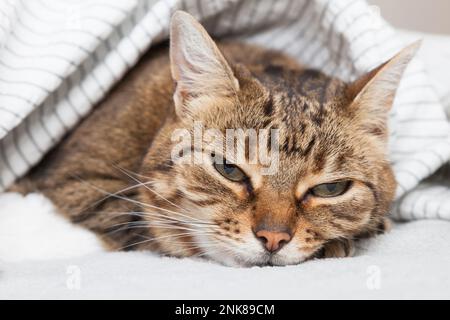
pixel 58 58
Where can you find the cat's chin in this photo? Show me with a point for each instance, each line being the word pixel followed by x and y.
pixel 263 260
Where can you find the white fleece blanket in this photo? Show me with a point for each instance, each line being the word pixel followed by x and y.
pixel 51 258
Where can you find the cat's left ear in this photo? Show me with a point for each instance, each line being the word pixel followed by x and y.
pixel 373 94
pixel 198 67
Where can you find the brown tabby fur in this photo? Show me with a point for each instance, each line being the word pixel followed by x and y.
pixel 329 131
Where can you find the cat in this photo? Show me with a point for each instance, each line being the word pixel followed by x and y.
pixel 115 173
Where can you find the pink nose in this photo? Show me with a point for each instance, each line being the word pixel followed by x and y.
pixel 273 240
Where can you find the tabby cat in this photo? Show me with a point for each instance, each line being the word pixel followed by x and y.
pixel 115 173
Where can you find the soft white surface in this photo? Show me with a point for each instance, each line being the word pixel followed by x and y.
pixel 412 261
pixel 30 228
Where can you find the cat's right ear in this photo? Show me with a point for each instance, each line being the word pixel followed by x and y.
pixel 198 67
pixel 373 94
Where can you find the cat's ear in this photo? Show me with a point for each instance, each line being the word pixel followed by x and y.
pixel 197 65
pixel 373 94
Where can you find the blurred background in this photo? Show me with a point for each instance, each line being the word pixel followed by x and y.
pixel 426 16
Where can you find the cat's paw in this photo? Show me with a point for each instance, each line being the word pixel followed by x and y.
pixel 338 249
pixel 384 226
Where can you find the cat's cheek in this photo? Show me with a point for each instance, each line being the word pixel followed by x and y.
pixel 342 216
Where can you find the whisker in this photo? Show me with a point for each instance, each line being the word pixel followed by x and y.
pixel 145 185
pixel 161 226
pixel 160 217
pixel 173 212
pixel 205 248
pixel 140 203
pixel 108 194
pixel 178 235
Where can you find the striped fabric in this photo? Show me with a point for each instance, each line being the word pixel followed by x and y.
pixel 59 58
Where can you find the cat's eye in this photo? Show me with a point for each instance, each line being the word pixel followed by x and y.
pixel 230 171
pixel 328 190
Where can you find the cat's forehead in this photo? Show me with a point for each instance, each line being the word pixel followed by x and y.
pixel 308 108
pixel 295 101
pixel 305 107
pixel 303 94
pixel 276 95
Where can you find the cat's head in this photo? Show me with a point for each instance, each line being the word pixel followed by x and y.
pixel 330 177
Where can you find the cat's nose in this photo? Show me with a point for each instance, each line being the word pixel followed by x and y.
pixel 272 240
